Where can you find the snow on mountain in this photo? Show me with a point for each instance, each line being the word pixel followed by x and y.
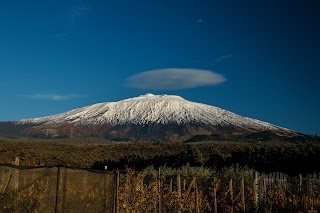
pixel 154 109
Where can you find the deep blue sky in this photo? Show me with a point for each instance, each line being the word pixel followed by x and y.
pixel 59 55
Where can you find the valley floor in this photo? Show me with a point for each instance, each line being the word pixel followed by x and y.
pixel 95 153
pixel 82 153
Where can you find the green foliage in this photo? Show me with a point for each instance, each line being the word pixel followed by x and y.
pixel 290 159
pixel 191 156
pixel 185 170
pixel 236 173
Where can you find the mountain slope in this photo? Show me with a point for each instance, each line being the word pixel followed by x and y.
pixel 147 117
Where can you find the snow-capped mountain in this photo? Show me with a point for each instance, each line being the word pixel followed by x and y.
pixel 149 108
pixel 147 117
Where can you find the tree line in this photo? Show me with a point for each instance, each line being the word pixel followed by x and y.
pixel 290 159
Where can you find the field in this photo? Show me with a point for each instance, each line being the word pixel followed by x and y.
pixel 94 153
pixel 82 153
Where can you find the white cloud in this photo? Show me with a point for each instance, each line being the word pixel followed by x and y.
pixel 54 97
pixel 199 20
pixel 174 78
pixel 224 57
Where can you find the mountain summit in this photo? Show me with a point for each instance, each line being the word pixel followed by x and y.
pixel 147 117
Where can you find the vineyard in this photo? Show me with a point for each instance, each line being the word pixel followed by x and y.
pixel 55 190
pixel 188 189
pixel 250 192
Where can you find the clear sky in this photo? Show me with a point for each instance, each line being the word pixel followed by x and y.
pixel 259 59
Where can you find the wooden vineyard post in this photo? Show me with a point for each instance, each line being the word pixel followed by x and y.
pixel 106 177
pixel 215 196
pixel 255 189
pixel 310 192
pixel 254 195
pixel 300 189
pixel 17 161
pixel 192 184
pixel 179 189
pixel 184 184
pixel 243 201
pixel 84 183
pixel 179 185
pixel 16 182
pixel 159 185
pixel 142 187
pixel 64 188
pixel 231 194
pixel 262 188
pixel 56 209
pixel 116 194
pixel 196 195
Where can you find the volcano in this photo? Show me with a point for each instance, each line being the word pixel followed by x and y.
pixel 146 117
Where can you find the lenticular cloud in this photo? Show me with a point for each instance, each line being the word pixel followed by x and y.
pixel 174 78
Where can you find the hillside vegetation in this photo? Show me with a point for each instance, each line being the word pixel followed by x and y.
pixel 95 153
